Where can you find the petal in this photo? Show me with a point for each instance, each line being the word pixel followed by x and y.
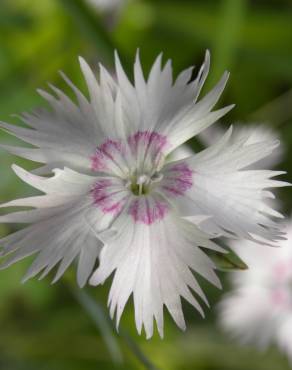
pixel 213 183
pixel 67 134
pixel 67 181
pixel 169 109
pixel 105 100
pixel 154 262
pixel 246 315
pixel 57 159
pixel 254 133
pixel 65 224
pixel 131 108
pixel 192 124
pixel 182 152
pixel 58 235
pixel 283 335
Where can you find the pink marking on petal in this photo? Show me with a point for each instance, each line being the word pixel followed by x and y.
pixel 105 199
pixel 147 138
pixel 148 211
pixel 105 152
pixel 280 297
pixel 283 270
pixel 178 179
pixel 110 146
pixel 148 143
pixel 97 161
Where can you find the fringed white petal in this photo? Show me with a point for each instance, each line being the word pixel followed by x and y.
pixel 59 235
pixel 220 187
pixel 171 108
pixel 246 315
pixel 64 226
pixel 64 135
pixel 67 181
pixel 148 264
pixel 253 133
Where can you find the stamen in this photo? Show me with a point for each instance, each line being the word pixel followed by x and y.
pixel 141 185
pixel 142 182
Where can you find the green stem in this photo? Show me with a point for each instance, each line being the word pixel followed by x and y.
pixel 277 111
pixel 96 313
pixel 100 318
pixel 232 15
pixel 91 25
pixel 137 352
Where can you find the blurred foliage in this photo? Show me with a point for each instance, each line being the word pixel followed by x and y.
pixel 54 327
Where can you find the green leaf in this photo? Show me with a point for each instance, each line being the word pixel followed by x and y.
pixel 227 262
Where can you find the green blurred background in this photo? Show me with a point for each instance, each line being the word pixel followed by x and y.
pixel 56 327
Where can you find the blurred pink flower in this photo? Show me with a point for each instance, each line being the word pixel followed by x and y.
pixel 259 307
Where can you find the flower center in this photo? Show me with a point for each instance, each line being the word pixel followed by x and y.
pixel 142 184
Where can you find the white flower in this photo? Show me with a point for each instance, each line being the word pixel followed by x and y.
pixel 132 202
pixel 256 133
pixel 259 308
